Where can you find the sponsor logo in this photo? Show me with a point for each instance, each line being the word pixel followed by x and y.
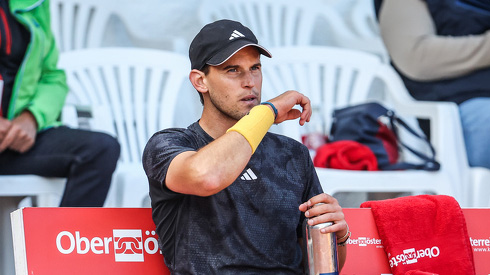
pixel 480 242
pixel 236 34
pixel 411 256
pixel 128 245
pixel 364 241
pixel 248 175
pixel 480 245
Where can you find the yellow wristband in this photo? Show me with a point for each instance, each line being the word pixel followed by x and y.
pixel 255 125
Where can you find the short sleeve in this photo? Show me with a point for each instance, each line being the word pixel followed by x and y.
pixel 161 149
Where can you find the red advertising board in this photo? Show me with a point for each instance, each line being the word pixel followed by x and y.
pixel 123 241
pixel 87 241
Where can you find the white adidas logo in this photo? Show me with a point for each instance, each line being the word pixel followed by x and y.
pixel 236 34
pixel 248 175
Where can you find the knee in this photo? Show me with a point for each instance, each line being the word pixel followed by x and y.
pixel 107 149
pixel 112 147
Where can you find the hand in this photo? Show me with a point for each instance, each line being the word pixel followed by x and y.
pixel 5 125
pixel 21 134
pixel 284 104
pixel 329 211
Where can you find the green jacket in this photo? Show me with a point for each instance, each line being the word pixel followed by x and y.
pixel 39 85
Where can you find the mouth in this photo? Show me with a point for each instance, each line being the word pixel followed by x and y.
pixel 250 98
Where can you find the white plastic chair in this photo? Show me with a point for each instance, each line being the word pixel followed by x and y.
pixel 274 22
pixel 78 24
pixel 362 19
pixel 50 189
pixel 334 78
pixel 75 24
pixel 133 94
pixel 480 187
pixel 278 23
pixel 13 189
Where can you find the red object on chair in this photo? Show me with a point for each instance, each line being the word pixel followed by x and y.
pixel 347 155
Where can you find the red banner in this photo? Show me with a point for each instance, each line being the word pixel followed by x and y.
pixel 123 241
pixel 91 241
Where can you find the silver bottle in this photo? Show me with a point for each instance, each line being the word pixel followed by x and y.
pixel 321 249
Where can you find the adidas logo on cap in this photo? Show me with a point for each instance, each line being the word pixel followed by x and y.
pixel 236 34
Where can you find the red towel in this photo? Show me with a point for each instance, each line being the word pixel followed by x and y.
pixel 425 233
pixel 347 155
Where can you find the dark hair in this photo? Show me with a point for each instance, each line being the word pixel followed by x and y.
pixel 205 70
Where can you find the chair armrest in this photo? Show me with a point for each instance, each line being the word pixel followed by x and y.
pixel 69 116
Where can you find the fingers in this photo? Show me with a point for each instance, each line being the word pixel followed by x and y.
pixel 325 208
pixel 7 141
pixel 22 142
pixel 338 227
pixel 293 114
pixel 307 110
pixel 20 137
pixel 285 104
pixel 321 198
pixel 4 128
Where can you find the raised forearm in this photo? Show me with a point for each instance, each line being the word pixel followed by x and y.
pixel 212 168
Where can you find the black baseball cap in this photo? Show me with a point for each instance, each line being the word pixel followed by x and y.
pixel 218 41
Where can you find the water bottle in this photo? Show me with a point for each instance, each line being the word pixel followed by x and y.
pixel 321 249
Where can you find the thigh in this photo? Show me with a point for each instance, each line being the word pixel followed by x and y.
pixel 475 117
pixel 53 153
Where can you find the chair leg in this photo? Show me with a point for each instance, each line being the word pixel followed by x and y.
pixel 7 205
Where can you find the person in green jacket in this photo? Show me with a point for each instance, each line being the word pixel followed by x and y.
pixel 32 95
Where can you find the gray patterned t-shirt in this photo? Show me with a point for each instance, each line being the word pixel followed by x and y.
pixel 251 227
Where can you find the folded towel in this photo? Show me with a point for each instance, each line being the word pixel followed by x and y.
pixel 425 233
pixel 347 155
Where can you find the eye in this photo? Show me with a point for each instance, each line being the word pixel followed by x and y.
pixel 255 68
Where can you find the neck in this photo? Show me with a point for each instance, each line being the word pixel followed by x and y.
pixel 215 124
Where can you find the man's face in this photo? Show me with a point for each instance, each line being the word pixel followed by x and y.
pixel 235 86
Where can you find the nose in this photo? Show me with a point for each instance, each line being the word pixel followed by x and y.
pixel 249 80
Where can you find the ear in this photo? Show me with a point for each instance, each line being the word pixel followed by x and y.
pixel 197 79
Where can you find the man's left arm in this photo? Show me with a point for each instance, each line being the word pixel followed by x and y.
pixel 329 211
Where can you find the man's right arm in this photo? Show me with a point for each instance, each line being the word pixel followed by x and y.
pixel 211 169
pixel 217 165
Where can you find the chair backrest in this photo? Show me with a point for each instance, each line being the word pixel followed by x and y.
pixel 274 22
pixel 330 77
pixel 278 23
pixel 361 20
pixel 78 24
pixel 133 92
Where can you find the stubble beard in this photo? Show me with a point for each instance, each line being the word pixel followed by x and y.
pixel 228 112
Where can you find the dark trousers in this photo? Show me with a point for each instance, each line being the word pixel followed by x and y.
pixel 87 159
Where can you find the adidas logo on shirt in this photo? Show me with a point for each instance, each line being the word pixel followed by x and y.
pixel 248 175
pixel 236 34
